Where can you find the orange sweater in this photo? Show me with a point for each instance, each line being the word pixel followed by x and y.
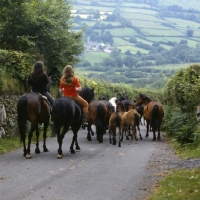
pixel 70 90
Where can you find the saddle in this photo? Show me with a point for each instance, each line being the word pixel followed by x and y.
pixel 45 98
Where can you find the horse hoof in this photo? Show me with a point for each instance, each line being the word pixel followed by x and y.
pixel 28 156
pixel 73 151
pixel 140 138
pixel 59 156
pixel 45 150
pixel 114 143
pixel 78 148
pixel 37 151
pixel 154 139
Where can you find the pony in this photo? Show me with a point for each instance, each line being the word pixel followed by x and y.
pixel 140 110
pixel 153 113
pixel 115 122
pixel 97 115
pixel 36 109
pixel 113 102
pixel 110 110
pixel 131 120
pixel 67 113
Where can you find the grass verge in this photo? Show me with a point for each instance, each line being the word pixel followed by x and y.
pixel 13 142
pixel 179 184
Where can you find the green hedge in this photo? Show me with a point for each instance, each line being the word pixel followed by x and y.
pixel 14 70
pixel 182 95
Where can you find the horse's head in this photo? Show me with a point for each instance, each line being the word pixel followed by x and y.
pixel 120 106
pixel 142 99
pixel 87 94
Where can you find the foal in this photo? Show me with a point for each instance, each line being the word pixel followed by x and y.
pixel 130 119
pixel 115 122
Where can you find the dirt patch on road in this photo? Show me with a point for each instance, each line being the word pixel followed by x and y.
pixel 162 161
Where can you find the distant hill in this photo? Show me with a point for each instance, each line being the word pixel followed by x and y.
pixel 132 41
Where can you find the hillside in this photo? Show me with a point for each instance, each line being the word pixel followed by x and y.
pixel 134 41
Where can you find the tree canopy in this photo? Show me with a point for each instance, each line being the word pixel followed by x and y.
pixel 41 28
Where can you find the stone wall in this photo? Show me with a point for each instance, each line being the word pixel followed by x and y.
pixel 8 115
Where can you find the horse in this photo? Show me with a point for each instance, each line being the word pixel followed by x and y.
pixel 97 115
pixel 140 110
pixel 87 94
pixel 153 113
pixel 113 102
pixel 34 108
pixel 131 120
pixel 67 113
pixel 110 110
pixel 115 122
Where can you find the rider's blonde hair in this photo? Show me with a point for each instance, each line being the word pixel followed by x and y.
pixel 68 75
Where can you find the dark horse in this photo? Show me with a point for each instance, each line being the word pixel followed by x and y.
pixel 34 108
pixel 97 115
pixel 66 113
pixel 153 113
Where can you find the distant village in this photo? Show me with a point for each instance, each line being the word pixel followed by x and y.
pixel 98 47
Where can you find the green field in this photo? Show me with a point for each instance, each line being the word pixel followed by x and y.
pixel 94 57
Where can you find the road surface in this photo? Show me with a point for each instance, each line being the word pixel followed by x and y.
pixel 97 172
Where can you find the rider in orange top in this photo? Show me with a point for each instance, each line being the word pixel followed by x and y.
pixel 70 86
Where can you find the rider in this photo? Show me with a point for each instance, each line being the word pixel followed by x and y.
pixel 38 80
pixel 70 86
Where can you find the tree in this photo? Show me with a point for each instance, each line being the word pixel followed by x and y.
pixel 189 33
pixel 41 28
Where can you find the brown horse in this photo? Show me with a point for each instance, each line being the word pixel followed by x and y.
pixel 115 122
pixel 153 113
pixel 131 120
pixel 34 108
pixel 97 115
pixel 110 110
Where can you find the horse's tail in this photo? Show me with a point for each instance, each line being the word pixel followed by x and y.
pixel 137 119
pixel 117 120
pixel 100 118
pixel 100 113
pixel 22 115
pixel 155 117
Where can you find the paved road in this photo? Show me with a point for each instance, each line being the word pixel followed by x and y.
pixel 97 172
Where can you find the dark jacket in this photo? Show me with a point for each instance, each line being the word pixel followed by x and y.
pixel 39 85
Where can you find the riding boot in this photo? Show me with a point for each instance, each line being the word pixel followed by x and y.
pixel 84 120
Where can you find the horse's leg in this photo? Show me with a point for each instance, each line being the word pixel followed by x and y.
pixel 127 134
pixel 114 136
pixel 60 137
pixel 37 149
pixel 158 137
pixel 119 141
pixel 122 134
pixel 138 127
pixel 24 143
pixel 110 134
pixel 89 138
pixel 46 124
pixel 147 133
pixel 154 133
pixel 134 133
pixel 74 140
pixel 141 119
pixel 28 154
